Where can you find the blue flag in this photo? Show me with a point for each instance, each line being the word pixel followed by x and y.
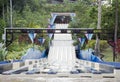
pixel 89 36
pixel 32 36
pixel 41 40
pixel 50 35
pixel 82 41
pixel 53 19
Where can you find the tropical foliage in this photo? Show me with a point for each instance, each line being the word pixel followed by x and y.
pixel 36 13
pixel 3 52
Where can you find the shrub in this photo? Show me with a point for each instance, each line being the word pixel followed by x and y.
pixel 103 44
pixel 3 52
pixel 16 50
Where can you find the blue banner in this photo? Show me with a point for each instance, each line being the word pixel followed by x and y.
pixel 32 36
pixel 89 36
pixel 82 41
pixel 41 40
pixel 53 19
pixel 50 35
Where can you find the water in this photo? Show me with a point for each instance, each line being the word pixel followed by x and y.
pixel 32 54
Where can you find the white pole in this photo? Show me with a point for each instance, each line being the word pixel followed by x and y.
pixel 11 14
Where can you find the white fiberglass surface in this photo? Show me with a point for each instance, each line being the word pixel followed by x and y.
pixel 62 52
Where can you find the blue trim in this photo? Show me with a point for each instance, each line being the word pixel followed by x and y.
pixel 53 19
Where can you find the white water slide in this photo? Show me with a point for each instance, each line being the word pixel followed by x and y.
pixel 62 53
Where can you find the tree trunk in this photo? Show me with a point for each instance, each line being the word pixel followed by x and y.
pixel 7 15
pixel 97 46
pixel 3 10
pixel 11 21
pixel 116 29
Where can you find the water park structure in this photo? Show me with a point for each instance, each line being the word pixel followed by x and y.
pixel 63 58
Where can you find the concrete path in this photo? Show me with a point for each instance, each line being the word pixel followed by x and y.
pixel 38 78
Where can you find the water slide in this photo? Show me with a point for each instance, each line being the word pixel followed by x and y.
pixel 88 55
pixel 62 53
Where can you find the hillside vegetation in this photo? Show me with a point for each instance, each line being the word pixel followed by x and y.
pixel 37 13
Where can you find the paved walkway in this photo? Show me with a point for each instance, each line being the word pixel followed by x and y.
pixel 38 78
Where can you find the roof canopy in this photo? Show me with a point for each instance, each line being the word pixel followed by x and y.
pixel 63 14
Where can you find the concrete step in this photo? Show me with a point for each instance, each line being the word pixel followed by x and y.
pixel 62 43
pixel 63 37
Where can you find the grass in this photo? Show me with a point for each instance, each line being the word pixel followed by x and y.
pixel 108 54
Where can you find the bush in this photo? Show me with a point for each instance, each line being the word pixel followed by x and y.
pixel 103 44
pixel 3 52
pixel 16 50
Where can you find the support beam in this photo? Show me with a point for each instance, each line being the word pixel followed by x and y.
pixel 10 32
